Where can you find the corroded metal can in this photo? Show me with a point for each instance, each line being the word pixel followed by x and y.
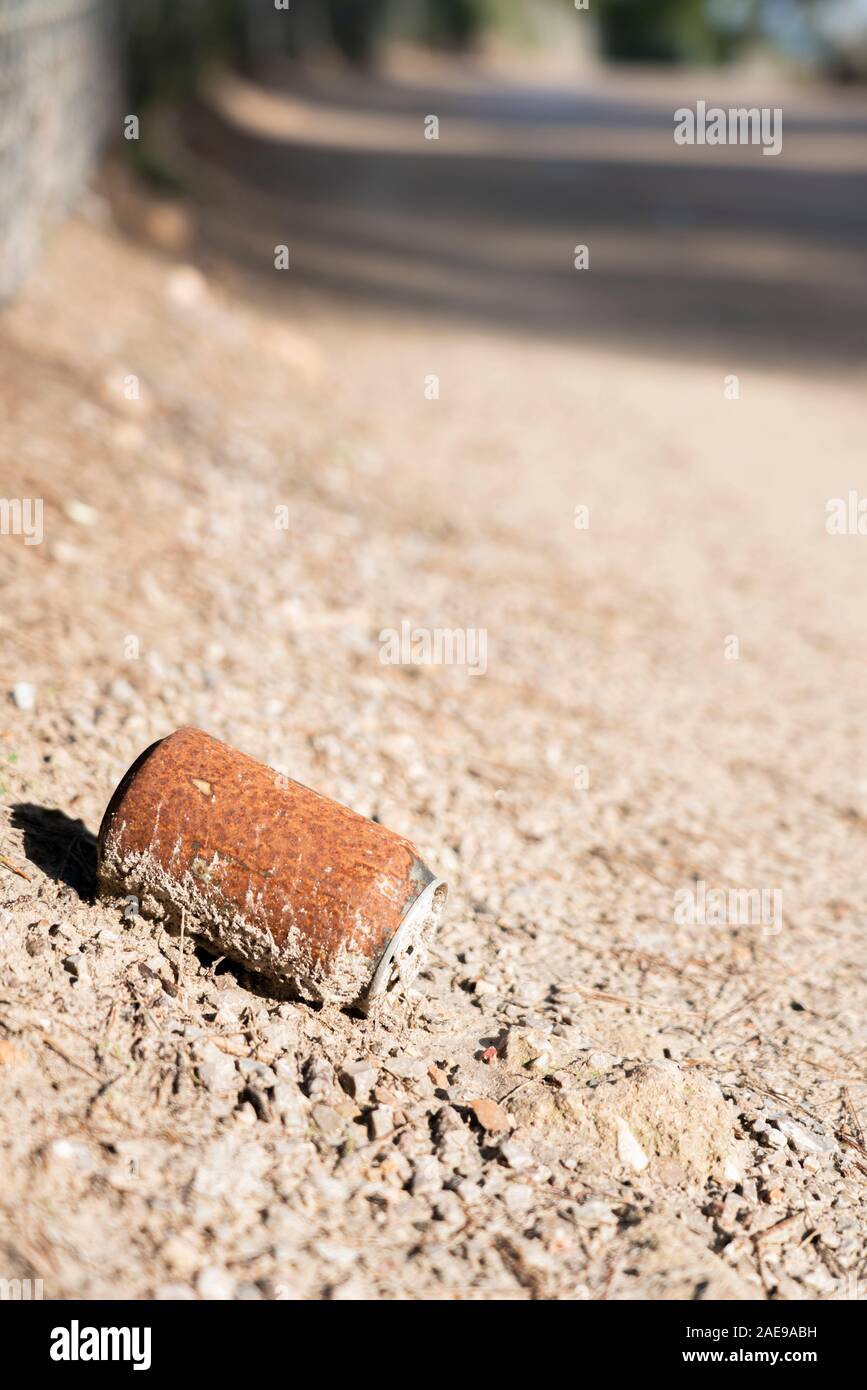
pixel 289 883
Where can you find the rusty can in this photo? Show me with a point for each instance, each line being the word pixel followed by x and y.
pixel 278 877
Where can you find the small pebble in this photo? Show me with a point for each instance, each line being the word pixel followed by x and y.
pixel 290 1106
pixel 181 1256
pixel 773 1139
pixel 427 1178
pixel 358 1080
pixel 81 513
pixel 217 1071
pixel 77 967
pixel 121 691
pixel 252 1070
pixel 514 1155
pixel 629 1150
pixel 186 287
pixel 380 1121
pixel 518 1198
pixel 215 1284
pixel 802 1139
pixel 24 695
pixel 329 1123
pixel 491 1116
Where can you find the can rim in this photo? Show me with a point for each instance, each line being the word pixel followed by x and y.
pixel 421 908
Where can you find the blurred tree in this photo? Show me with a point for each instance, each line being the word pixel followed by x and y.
pixel 459 23
pixel 456 22
pixel 355 26
pixel 674 31
pixel 168 39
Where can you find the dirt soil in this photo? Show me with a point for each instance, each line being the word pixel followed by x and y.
pixel 586 1096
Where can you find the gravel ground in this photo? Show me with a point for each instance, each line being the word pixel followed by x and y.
pixel 587 1096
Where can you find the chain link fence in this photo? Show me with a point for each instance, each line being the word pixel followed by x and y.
pixel 59 88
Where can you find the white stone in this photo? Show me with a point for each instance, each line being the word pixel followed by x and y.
pixel 629 1150
pixel 515 1155
pixel 81 513
pixel 217 1071
pixel 24 695
pixel 359 1079
pixel 803 1139
pixel 215 1284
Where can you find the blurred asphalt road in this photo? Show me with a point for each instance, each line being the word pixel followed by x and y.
pixel 690 248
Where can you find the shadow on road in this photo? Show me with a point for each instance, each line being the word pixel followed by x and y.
pixel 765 258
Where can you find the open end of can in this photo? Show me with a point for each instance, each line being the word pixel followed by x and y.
pixel 406 952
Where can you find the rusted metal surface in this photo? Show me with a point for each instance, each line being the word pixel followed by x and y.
pixel 284 880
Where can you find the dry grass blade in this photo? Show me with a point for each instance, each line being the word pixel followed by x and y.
pixel 7 864
pixel 857 1129
pixel 605 997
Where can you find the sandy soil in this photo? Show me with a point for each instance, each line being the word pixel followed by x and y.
pixel 588 1096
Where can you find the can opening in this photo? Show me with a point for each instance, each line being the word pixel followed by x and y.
pixel 406 953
